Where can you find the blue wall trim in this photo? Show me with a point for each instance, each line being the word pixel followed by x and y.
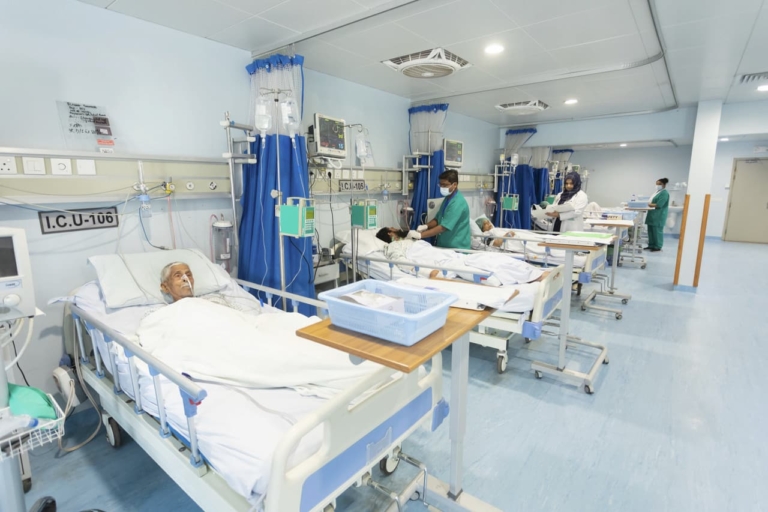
pixel 683 288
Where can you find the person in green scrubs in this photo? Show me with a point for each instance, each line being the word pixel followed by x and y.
pixel 451 224
pixel 657 217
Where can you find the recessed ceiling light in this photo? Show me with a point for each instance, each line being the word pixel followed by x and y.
pixel 493 49
pixel 427 74
pixel 623 145
pixel 571 101
pixel 724 139
pixel 762 88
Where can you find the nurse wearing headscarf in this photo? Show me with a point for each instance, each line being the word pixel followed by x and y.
pixel 572 220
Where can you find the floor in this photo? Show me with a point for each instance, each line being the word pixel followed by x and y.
pixel 677 422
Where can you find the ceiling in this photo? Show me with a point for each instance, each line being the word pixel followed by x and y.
pixel 605 53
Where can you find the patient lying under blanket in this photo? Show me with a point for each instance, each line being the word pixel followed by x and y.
pixel 220 342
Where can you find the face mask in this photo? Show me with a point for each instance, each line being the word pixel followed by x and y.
pixel 658 187
pixel 444 191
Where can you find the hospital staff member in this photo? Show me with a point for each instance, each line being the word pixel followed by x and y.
pixel 657 217
pixel 451 224
pixel 572 220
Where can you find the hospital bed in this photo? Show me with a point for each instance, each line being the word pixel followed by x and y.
pixel 525 315
pixel 260 463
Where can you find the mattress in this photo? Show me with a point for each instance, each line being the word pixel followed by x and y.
pixel 238 429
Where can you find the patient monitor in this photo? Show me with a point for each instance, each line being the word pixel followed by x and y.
pixel 17 295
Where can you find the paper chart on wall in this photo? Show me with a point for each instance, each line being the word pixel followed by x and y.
pixel 86 127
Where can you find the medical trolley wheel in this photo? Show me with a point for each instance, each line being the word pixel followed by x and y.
pixel 46 504
pixel 618 316
pixel 113 433
pixel 588 389
pixel 605 361
pixel 583 308
pixel 416 496
pixel 27 485
pixel 388 464
pixel 501 363
pixel 538 374
pixel 624 301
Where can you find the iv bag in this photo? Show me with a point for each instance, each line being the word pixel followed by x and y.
pixel 360 150
pixel 290 115
pixel 263 119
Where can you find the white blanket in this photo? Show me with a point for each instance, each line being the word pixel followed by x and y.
pixel 215 343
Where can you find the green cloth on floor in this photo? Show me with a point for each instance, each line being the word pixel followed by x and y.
pixel 31 401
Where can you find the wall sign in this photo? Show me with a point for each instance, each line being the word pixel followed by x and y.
pixel 86 127
pixel 351 185
pixel 78 220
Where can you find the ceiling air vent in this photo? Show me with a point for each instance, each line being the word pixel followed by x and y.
pixel 427 64
pixel 754 77
pixel 523 108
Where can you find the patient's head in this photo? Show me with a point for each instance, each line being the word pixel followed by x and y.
pixel 176 280
pixel 484 224
pixel 391 234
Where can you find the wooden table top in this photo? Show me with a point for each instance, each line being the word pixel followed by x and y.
pixel 397 357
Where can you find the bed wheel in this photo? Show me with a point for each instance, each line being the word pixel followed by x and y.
pixel 605 361
pixel 114 437
pixel 416 496
pixel 46 504
pixel 624 301
pixel 583 308
pixel 501 363
pixel 538 374
pixel 388 465
pixel 27 484
pixel 618 316
pixel 588 389
pixel 643 266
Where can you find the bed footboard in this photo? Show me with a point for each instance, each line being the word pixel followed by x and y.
pixel 359 429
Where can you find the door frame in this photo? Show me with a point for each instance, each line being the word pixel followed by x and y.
pixel 730 190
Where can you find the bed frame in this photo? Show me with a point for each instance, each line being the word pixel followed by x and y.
pixel 496 330
pixel 360 428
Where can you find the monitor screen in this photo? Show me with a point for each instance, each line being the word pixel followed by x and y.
pixel 331 133
pixel 309 214
pixel 371 210
pixel 453 151
pixel 7 258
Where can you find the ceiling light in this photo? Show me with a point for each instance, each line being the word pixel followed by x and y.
pixel 623 145
pixel 493 49
pixel 571 101
pixel 427 74
pixel 762 88
pixel 724 139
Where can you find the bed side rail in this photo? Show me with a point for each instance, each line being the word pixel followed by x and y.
pixel 478 275
pixel 295 300
pixel 192 395
pixel 356 435
pixel 550 295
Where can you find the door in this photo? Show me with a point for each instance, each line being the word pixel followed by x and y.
pixel 747 215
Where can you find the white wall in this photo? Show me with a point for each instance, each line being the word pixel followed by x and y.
pixel 721 178
pixel 165 91
pixel 616 174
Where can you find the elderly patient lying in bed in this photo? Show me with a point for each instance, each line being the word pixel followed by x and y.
pixel 213 339
pixel 504 269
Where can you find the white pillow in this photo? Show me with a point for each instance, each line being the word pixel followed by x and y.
pixel 134 279
pixel 366 240
pixel 476 243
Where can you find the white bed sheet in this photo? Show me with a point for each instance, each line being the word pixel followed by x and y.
pixel 235 435
pixel 380 271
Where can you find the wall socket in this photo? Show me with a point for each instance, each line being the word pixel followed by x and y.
pixel 8 165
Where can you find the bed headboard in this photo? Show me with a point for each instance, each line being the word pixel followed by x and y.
pixel 549 296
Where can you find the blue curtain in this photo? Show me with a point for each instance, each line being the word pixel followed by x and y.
pixel 562 155
pixel 507 218
pixel 526 191
pixel 541 184
pixel 422 191
pixel 558 183
pixel 259 232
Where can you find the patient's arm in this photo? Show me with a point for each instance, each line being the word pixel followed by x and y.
pixel 498 242
pixel 542 277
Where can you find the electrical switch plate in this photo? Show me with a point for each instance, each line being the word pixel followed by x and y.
pixel 61 166
pixel 86 167
pixel 8 165
pixel 337 174
pixel 33 165
pixel 345 174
